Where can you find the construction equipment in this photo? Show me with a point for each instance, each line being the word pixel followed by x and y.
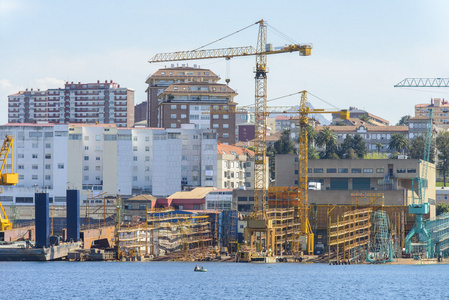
pixel 419 205
pixel 303 111
pixel 261 51
pixel 7 178
pixel 424 82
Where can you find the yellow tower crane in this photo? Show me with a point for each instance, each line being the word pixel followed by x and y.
pixel 261 70
pixel 304 111
pixel 6 178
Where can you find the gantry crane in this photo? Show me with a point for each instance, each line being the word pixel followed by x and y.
pixel 261 70
pixel 7 178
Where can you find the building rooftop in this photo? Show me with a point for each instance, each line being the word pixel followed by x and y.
pixel 369 128
pixel 228 149
pixel 143 198
pixel 197 193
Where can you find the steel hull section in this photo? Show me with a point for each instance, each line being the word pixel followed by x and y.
pixel 38 254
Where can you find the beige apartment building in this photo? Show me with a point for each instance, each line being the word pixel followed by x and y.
pixel 440 111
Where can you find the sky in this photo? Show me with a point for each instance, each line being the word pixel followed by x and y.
pixel 361 49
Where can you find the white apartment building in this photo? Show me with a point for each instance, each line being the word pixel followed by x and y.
pixel 104 158
pixel 235 167
pixel 76 103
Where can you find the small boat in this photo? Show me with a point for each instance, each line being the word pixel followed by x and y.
pixel 200 270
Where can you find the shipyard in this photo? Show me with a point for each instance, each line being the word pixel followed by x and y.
pixel 203 151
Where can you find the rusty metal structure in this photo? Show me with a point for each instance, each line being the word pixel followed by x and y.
pixel 348 236
pixel 167 233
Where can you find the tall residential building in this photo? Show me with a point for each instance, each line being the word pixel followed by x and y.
pixel 163 78
pixel 105 103
pixel 105 158
pixel 188 103
pixel 440 111
pixel 140 112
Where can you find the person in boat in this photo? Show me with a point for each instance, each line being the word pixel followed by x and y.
pixel 196 268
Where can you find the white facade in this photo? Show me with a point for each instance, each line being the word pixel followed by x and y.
pixel 106 159
pixel 220 199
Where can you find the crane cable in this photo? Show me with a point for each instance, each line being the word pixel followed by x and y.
pixel 281 34
pixel 224 37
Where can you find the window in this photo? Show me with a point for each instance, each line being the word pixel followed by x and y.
pixel 135 138
pixel 97 158
pixel 296 172
pixel 147 169
pixel 379 170
pixel 86 147
pixel 98 137
pixel 97 168
pixel 97 178
pixel 86 168
pixel 21 155
pixel 47 156
pixel 331 170
pixel 318 170
pixel 225 125
pixel 134 148
pixel 173 106
pixel 147 139
pixel 183 106
pixel 342 170
pixel 225 117
pixel 134 158
pixel 368 170
pixel 225 135
pixel 21 176
pixel 215 117
pixel 34 155
pixel 248 164
pixel 400 171
pixel 134 178
pixel 86 177
pixel 183 116
pixel 215 126
pixel 147 148
pixel 173 116
pixel 47 145
pixel 411 170
pixel 173 125
pixel 147 158
pixel 356 170
pixel 34 177
pixel 47 167
pixel 60 166
pixel 86 157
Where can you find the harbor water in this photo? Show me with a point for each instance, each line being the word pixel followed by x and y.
pixel 177 280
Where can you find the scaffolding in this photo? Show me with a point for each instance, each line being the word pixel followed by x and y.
pixel 439 233
pixel 348 237
pixel 167 233
pixel 380 246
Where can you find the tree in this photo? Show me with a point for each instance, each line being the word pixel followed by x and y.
pixel 398 142
pixel 403 121
pixel 442 208
pixel 352 147
pixel 442 144
pixel 364 118
pixel 326 138
pixel 416 148
pixel 379 147
pixel 284 145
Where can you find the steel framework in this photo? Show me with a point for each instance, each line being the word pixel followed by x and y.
pixel 424 82
pixel 380 246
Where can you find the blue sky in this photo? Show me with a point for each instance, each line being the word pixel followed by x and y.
pixel 360 48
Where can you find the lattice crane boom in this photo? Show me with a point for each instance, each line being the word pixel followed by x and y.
pixel 261 71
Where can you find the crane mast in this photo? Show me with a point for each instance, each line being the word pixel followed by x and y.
pixel 260 178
